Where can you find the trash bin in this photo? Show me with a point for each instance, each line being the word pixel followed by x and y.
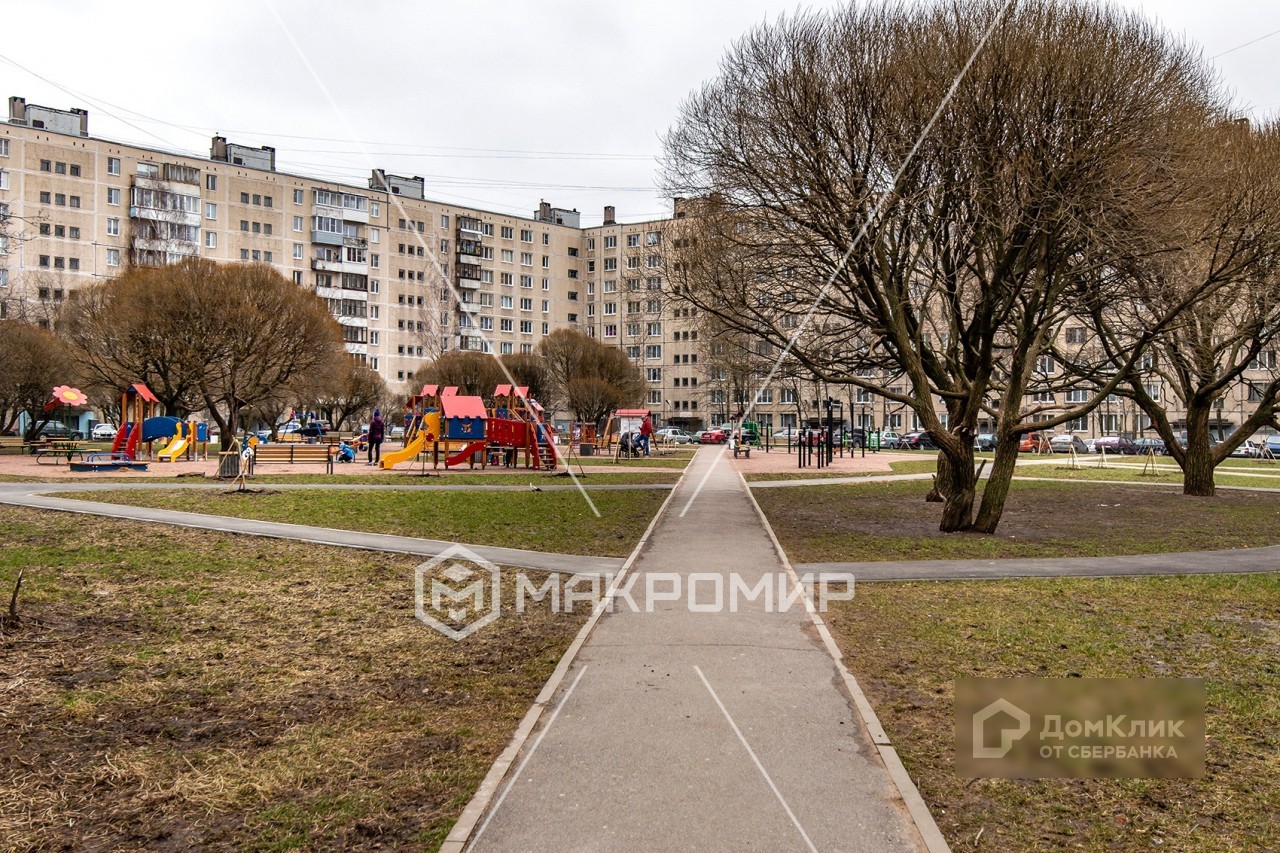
pixel 228 465
pixel 587 450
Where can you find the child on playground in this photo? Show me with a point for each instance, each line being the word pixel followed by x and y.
pixel 346 453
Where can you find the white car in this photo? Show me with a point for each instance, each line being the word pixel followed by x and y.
pixel 103 432
pixel 679 436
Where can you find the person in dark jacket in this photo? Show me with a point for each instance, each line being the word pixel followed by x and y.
pixel 377 431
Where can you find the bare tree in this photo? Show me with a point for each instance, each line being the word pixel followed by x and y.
pixel 589 378
pixel 35 362
pixel 1225 248
pixel 916 230
pixel 352 394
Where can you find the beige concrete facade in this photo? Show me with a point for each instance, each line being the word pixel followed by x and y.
pixel 406 277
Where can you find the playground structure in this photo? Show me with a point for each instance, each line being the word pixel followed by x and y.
pixel 141 426
pixel 463 430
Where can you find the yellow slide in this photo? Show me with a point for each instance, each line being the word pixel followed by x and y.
pixel 408 454
pixel 173 450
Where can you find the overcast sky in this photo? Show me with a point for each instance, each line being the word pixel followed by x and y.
pixel 497 104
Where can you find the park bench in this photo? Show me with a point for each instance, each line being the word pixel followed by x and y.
pixel 17 443
pixel 294 453
pixel 741 450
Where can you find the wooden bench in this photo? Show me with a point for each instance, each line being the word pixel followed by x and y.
pixel 742 449
pixel 294 453
pixel 16 442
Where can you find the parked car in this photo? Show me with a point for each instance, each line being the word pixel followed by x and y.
pixel 1272 445
pixel 1154 445
pixel 984 441
pixel 1248 449
pixel 58 431
pixel 672 434
pixel 919 440
pixel 1032 442
pixel 710 436
pixel 788 434
pixel 396 431
pixel 1066 442
pixel 889 440
pixel 854 437
pixel 1116 444
pixel 103 432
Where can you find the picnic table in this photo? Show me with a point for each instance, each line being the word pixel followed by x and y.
pixel 59 450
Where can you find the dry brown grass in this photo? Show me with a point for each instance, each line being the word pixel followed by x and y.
pixel 171 688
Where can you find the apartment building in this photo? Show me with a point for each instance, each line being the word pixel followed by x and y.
pixel 408 277
pixel 405 276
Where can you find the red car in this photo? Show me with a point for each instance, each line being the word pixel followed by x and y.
pixel 711 436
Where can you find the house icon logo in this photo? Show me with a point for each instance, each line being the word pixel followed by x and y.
pixel 1008 735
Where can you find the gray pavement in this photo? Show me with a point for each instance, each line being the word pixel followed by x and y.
pixel 28 495
pixel 678 730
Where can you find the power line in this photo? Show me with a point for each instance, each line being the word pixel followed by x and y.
pixel 1246 44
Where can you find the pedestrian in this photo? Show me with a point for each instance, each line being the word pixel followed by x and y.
pixel 376 433
pixel 646 433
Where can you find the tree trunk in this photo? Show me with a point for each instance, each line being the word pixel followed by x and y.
pixel 958 490
pixel 941 481
pixel 1197 466
pixel 997 488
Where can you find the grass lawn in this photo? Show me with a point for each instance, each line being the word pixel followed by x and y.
pixel 891 521
pixel 176 689
pixel 907 642
pixel 559 522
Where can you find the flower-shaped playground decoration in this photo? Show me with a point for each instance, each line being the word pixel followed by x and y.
pixel 68 396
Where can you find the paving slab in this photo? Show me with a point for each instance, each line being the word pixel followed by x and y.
pixel 679 730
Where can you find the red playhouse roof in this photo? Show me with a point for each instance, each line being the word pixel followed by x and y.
pixel 144 392
pixel 429 390
pixel 464 407
pixel 502 391
pixel 522 391
pixel 631 413
pixel 449 391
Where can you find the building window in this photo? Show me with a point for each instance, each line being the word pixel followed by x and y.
pixel 4 180
pixel 46 165
pixel 4 148
pixel 74 201
pixel 113 227
pixel 113 257
pixel 297 223
pixel 73 264
pixel 60 199
pixel 113 196
pixel 211 182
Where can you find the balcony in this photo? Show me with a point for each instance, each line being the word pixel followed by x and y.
pixel 326 238
pixel 469 307
pixel 469 283
pixel 469 229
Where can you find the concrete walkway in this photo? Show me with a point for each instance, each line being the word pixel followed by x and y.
pixel 679 730
pixel 27 495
